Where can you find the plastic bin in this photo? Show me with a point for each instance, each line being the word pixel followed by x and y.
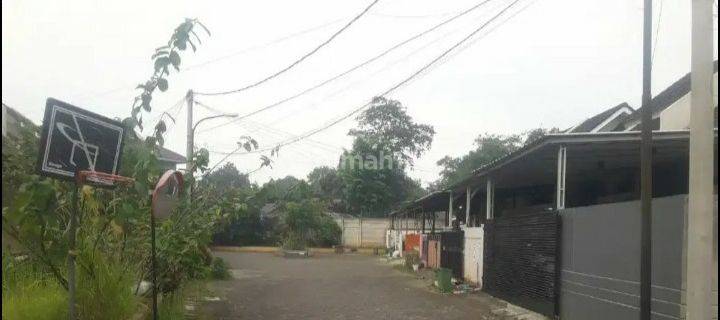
pixel 443 276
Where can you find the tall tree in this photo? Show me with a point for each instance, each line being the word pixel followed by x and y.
pixel 373 171
pixel 227 177
pixel 386 123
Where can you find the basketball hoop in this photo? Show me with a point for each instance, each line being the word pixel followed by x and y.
pixel 102 179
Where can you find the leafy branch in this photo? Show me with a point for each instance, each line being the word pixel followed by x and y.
pixel 164 57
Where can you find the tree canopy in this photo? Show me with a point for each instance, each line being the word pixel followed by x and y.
pixel 373 171
pixel 227 177
pixel 387 125
pixel 488 148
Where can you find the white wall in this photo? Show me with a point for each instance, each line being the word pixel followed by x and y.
pixel 374 232
pixel 677 115
pixel 473 259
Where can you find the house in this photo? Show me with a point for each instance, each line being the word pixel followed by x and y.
pixel 554 226
pixel 608 120
pixel 168 159
pixel 564 212
pixel 671 107
pixel 670 111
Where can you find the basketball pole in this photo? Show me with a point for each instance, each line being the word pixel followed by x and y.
pixel 72 229
pixel 154 260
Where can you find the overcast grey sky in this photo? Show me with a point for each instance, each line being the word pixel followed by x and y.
pixel 551 65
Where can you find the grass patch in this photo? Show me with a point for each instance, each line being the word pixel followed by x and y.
pixel 174 305
pixel 29 293
pixel 105 289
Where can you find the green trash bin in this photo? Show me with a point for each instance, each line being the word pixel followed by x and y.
pixel 444 280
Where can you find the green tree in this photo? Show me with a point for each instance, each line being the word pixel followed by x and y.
pixel 226 178
pixel 325 183
pixel 386 123
pixel 284 190
pixel 373 171
pixel 306 224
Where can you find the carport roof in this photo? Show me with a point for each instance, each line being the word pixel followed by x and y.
pixel 435 201
pixel 619 146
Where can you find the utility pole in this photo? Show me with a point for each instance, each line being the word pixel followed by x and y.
pixel 189 151
pixel 646 170
pixel 700 198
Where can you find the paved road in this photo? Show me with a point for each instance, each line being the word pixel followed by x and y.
pixel 332 287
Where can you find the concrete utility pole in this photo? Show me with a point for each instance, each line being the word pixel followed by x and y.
pixel 701 201
pixel 646 170
pixel 189 150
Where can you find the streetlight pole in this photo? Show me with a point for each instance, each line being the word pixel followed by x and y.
pixel 190 148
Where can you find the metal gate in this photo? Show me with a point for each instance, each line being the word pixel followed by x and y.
pixel 522 260
pixel 451 256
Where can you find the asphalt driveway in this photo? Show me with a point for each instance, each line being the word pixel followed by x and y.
pixel 266 286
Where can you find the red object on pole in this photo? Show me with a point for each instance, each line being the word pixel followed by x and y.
pixel 167 189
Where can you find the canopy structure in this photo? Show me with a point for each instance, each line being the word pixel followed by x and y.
pixel 562 170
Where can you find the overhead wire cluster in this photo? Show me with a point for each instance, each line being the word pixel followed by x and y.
pixel 289 138
pixel 354 68
pixel 294 63
pixel 393 88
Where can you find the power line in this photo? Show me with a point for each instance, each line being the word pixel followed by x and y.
pixel 296 61
pixel 179 104
pixel 344 73
pixel 393 88
pixel 657 32
pixel 264 45
pixel 402 59
pixel 422 16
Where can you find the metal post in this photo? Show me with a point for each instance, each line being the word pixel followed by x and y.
pixel 561 178
pixel 189 148
pixel 190 140
pixel 360 234
pixel 646 170
pixel 490 200
pixel 468 197
pixel 448 223
pixel 700 199
pixel 434 215
pixel 72 230
pixel 153 263
pixel 342 236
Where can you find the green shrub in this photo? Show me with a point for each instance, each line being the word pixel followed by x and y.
pixel 219 269
pixel 293 241
pixel 327 233
pixel 307 225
